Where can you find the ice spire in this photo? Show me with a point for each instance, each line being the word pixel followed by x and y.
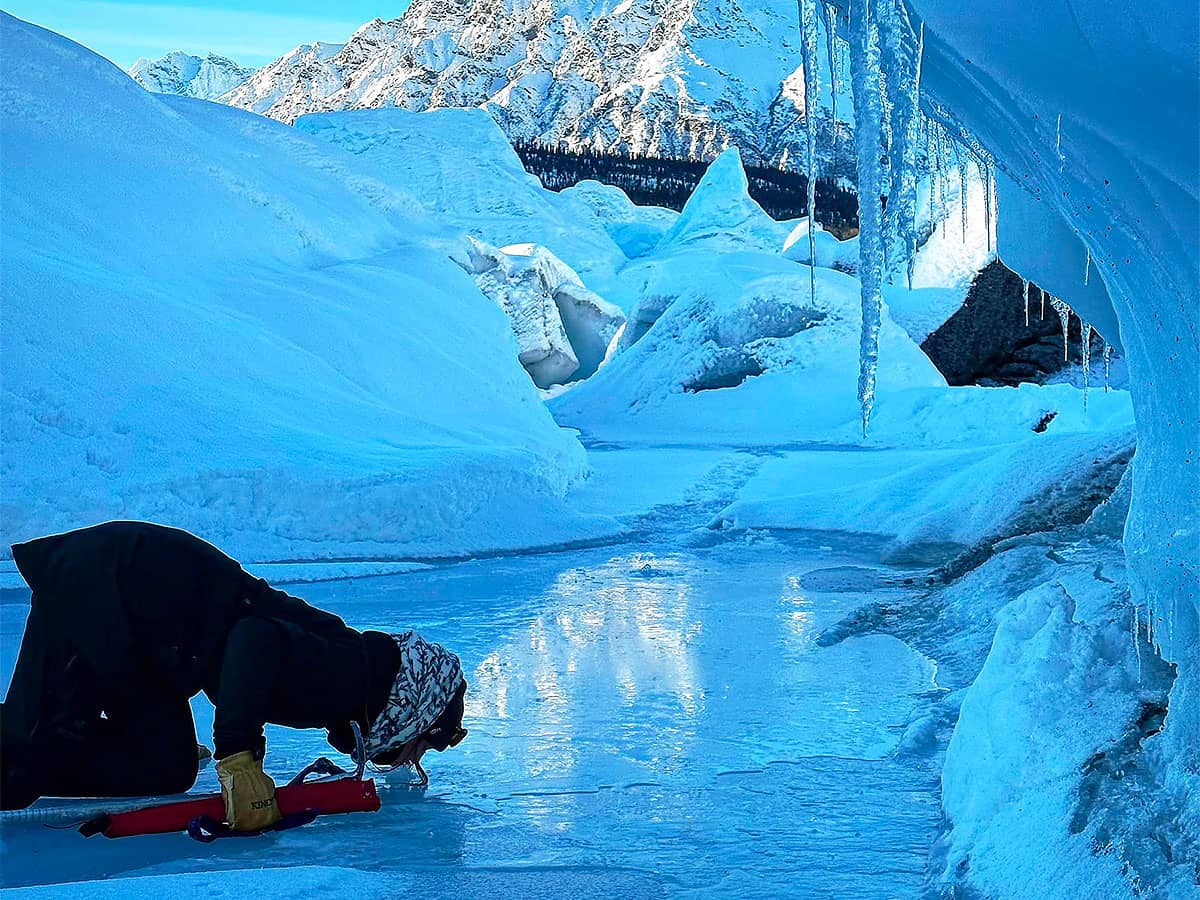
pixel 812 90
pixel 1064 316
pixel 1107 361
pixel 1026 280
pixel 868 138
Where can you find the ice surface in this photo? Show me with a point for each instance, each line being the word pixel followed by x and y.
pixel 617 742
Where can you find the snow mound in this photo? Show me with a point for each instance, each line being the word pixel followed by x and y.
pixel 563 330
pixel 930 501
pixel 282 358
pixel 489 195
pixel 829 251
pixel 729 345
pixel 637 230
pixel 720 214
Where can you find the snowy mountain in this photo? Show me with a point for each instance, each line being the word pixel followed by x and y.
pixel 203 77
pixel 640 76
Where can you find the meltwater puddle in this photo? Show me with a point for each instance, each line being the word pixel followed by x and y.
pixel 641 723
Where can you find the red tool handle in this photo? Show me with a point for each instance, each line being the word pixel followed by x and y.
pixel 341 795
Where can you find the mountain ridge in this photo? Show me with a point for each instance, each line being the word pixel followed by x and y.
pixel 640 77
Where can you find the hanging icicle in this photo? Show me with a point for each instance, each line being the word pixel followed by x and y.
pixel 1087 268
pixel 985 172
pixel 1085 338
pixel 1064 316
pixel 1107 362
pixel 1026 302
pixel 809 37
pixel 831 18
pixel 868 138
pixel 961 161
pixel 1042 310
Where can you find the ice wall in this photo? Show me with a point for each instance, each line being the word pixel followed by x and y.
pixel 1120 178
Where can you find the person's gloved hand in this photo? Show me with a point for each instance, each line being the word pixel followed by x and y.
pixel 249 792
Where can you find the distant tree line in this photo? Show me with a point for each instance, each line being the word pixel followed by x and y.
pixel 659 181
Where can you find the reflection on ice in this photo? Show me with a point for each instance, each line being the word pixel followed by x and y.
pixel 647 722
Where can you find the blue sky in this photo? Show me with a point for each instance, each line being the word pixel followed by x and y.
pixel 252 32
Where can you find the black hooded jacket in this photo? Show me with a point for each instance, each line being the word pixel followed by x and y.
pixel 137 600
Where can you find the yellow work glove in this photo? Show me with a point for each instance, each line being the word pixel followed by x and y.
pixel 249 792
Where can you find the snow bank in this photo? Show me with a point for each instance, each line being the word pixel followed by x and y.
pixel 487 193
pixel 934 502
pixel 1104 141
pixel 281 358
pixel 637 230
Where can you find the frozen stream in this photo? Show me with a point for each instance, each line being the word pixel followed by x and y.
pixel 647 718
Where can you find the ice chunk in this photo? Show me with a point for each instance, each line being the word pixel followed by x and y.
pixel 563 330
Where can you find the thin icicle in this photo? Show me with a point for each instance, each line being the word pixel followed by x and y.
pixel 1087 269
pixel 1085 337
pixel 868 138
pixel 1026 302
pixel 1107 362
pixel 1064 316
pixel 985 172
pixel 831 17
pixel 809 38
pixel 1042 311
pixel 961 160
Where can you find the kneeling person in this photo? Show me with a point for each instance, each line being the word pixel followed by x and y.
pixel 129 620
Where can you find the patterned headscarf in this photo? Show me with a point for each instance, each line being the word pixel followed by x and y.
pixel 426 681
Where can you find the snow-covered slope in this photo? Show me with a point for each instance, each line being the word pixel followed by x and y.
pixel 683 79
pixel 283 358
pixel 203 77
pixel 487 194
